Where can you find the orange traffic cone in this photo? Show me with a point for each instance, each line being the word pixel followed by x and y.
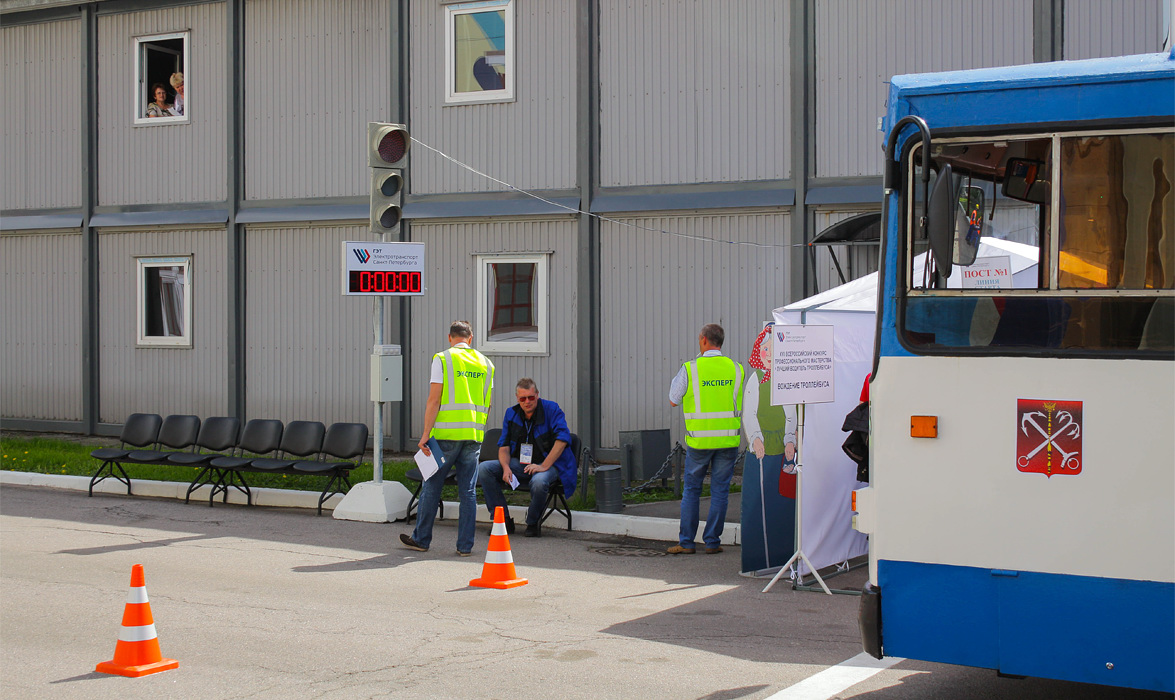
pixel 137 652
pixel 498 571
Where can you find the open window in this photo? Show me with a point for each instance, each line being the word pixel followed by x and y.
pixel 164 301
pixel 479 52
pixel 161 70
pixel 512 304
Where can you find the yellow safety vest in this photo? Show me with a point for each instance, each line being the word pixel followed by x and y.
pixel 465 399
pixel 713 402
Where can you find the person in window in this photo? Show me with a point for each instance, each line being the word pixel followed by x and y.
pixel 177 82
pixel 160 107
pixel 533 446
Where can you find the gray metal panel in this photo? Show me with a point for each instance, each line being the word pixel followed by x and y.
pixel 450 275
pixel 317 73
pixel 159 379
pixel 861 45
pixel 41 344
pixel 40 145
pixel 308 345
pixel 40 222
pixel 1096 28
pixel 672 201
pixel 657 291
pixel 530 142
pixel 694 92
pixel 167 217
pixel 499 207
pixel 184 162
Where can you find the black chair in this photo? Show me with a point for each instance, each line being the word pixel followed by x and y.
pixel 556 496
pixel 345 441
pixel 489 450
pixel 139 430
pixel 301 439
pixel 217 438
pixel 178 433
pixel 260 437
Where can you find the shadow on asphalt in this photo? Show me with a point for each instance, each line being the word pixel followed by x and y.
pixel 735 620
pixel 979 682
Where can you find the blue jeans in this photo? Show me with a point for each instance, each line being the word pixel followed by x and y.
pixel 489 475
pixel 462 456
pixel 721 465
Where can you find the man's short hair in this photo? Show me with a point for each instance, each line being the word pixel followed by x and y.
pixel 461 329
pixel 526 383
pixel 714 333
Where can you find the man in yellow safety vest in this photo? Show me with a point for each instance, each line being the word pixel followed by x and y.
pixel 709 390
pixel 458 404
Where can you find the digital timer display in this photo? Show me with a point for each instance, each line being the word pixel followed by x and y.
pixel 383 282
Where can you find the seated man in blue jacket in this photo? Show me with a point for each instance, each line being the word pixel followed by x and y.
pixel 533 446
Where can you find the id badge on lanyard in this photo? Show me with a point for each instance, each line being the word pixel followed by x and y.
pixel 526 453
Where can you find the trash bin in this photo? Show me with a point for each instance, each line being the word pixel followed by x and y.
pixel 609 489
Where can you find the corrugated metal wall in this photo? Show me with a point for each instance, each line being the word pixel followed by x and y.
pixel 529 142
pixel 40 145
pixel 855 261
pixel 694 92
pixel 861 45
pixel 158 379
pixel 1096 28
pixel 307 345
pixel 176 162
pixel 658 290
pixel 319 70
pixel 450 277
pixel 41 318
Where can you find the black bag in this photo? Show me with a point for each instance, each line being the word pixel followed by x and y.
pixel 856 445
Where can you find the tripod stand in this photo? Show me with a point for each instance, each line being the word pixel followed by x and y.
pixel 799 555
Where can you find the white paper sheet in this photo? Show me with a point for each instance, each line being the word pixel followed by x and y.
pixel 427 463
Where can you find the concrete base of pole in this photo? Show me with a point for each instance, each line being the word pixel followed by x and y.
pixel 374 502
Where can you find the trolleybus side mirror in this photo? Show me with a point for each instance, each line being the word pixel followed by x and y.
pixel 940 221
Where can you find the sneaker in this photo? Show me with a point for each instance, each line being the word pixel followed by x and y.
pixel 678 549
pixel 713 550
pixel 535 530
pixel 464 554
pixel 410 543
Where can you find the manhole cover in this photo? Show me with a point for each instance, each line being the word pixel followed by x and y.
pixel 629 551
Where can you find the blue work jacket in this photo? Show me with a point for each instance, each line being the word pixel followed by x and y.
pixel 547 425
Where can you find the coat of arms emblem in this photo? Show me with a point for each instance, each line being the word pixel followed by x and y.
pixel 1048 436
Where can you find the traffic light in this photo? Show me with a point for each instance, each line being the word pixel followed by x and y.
pixel 387 154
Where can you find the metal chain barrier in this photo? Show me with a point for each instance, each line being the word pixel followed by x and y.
pixel 677 449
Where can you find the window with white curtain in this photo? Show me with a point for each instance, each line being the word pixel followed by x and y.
pixel 165 301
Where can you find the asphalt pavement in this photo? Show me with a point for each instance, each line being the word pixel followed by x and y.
pixel 278 603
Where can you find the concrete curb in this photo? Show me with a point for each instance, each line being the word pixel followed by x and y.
pixel 647 528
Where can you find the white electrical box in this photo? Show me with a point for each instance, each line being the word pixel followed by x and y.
pixel 387 372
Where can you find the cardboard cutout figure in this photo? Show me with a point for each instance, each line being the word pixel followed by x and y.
pixel 769 474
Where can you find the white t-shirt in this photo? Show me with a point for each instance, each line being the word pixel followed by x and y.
pixel 437 371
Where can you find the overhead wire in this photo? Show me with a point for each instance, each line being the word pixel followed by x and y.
pixel 576 210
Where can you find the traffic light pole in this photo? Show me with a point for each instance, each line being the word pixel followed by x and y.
pixel 387 151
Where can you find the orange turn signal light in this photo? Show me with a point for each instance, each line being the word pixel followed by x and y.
pixel 924 426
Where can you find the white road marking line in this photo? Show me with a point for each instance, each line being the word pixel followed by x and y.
pixel 840 677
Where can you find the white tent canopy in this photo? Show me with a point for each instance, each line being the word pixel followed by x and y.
pixel 829 475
